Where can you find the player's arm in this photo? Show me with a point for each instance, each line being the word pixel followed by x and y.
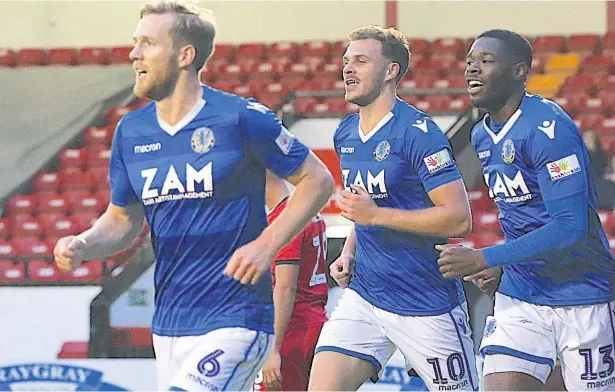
pixel 287 158
pixel 287 264
pixel 562 178
pixel 430 156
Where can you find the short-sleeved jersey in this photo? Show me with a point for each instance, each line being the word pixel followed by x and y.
pixel 398 163
pixel 308 249
pixel 537 157
pixel 202 186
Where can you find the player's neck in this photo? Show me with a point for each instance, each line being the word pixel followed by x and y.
pixel 372 114
pixel 176 106
pixel 510 107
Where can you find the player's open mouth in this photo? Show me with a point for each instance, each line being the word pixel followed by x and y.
pixel 140 73
pixel 475 86
pixel 351 84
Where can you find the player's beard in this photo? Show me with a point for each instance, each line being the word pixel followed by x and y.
pixel 157 91
pixel 374 92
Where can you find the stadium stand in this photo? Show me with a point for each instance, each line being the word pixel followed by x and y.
pixel 300 79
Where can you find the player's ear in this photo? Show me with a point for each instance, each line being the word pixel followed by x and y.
pixel 521 71
pixel 187 55
pixel 392 71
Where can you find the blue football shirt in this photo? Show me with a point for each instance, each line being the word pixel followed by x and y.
pixel 536 157
pixel 398 163
pixel 202 185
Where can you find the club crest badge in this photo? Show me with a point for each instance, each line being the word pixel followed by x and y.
pixel 382 151
pixel 508 151
pixel 202 140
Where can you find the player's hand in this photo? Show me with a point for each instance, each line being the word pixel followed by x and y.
pixel 249 262
pixel 358 206
pixel 486 280
pixel 457 261
pixel 272 371
pixel 68 252
pixel 341 269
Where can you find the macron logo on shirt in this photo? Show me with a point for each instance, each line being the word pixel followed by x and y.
pixel 145 148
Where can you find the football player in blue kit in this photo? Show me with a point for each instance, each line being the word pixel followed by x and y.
pixel 193 162
pixel 404 193
pixel 555 270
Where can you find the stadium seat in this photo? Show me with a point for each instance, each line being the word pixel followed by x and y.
pixel 116 113
pixel 52 203
pixel 87 272
pixel 427 67
pixel 5 228
pixel 253 51
pixel 98 156
pixel 546 85
pixel 95 136
pixel 606 126
pixel 120 55
pixel 74 178
pixel 61 56
pixel 608 142
pixel 586 121
pixel 480 200
pixel 450 82
pixel 608 42
pixel 596 63
pixel 563 63
pixel 447 45
pixel 87 203
pixel 27 228
pixel 549 44
pixel 486 221
pixel 48 219
pixel 583 43
pixel 84 220
pixel 270 100
pixel 30 247
pixel 93 56
pixel 418 82
pixel 314 49
pixel 572 103
pixel 295 71
pixel 72 157
pixel 27 57
pixel 484 239
pixel 21 204
pixel 7 249
pixel 8 58
pixel 305 105
pixel 578 83
pixel 46 181
pixel 99 177
pixel 459 104
pixel 433 103
pixel 283 49
pixel 11 271
pixel 43 271
pixel 419 46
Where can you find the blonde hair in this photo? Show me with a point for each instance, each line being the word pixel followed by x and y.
pixel 395 46
pixel 193 26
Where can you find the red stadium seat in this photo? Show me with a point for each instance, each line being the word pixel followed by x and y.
pixel 549 44
pixel 74 196
pixel 589 120
pixel 608 41
pixel 31 247
pixel 459 104
pixel 271 101
pixel 295 71
pixel 276 88
pixel 104 196
pixel 427 67
pixel 116 113
pixel 224 51
pixel 98 157
pixel 419 46
pixel 49 203
pixel 418 82
pixel 21 204
pixel 453 81
pixel 305 105
pixel 331 70
pixel 254 51
pixel 593 105
pixel 578 83
pixel 72 157
pixel 11 271
pixel 73 178
pixel 486 221
pixel 5 228
pixel 338 48
pixel 7 249
pixel 61 56
pixel 87 203
pixel 27 57
pixel 120 55
pixel 608 221
pixel 48 219
pixel 608 142
pixel 596 63
pixel 484 239
pixel 94 136
pixel 99 177
pixel 266 70
pixel 93 56
pixel 606 126
pixel 88 271
pixel 43 271
pixel 283 49
pixel 314 49
pixel 243 90
pixel 434 103
pixel 62 227
pixel 571 103
pixel 480 200
pixel 583 43
pixel 27 228
pixel 447 45
pixel 8 58
pixel 46 181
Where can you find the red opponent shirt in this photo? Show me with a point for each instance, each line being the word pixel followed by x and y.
pixel 309 250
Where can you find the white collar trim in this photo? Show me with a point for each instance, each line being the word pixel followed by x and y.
pixel 509 124
pixel 173 129
pixel 381 123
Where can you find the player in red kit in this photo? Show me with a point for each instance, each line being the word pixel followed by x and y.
pixel 299 295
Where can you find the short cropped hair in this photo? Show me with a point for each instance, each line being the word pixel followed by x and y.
pixel 394 45
pixel 516 45
pixel 193 26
